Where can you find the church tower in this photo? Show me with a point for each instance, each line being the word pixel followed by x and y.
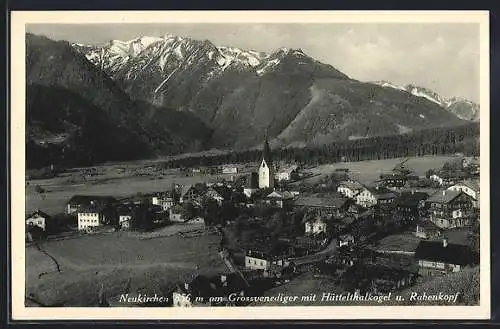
pixel 266 172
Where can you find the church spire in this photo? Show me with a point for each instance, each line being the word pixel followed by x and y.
pixel 266 152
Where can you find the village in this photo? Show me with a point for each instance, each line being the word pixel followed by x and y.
pixel 367 238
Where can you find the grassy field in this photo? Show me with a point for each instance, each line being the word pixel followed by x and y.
pixel 369 171
pixel 152 266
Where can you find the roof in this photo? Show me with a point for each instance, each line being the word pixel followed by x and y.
pixel 280 195
pixel 444 196
pixel 317 201
pixel 411 199
pixel 87 199
pixel 353 185
pixel 380 192
pixel 92 209
pixel 435 251
pixel 39 213
pixel 470 183
pixel 288 169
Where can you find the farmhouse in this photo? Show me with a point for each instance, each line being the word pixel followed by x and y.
pixel 349 188
pixel 426 229
pixel 315 224
pixel 91 216
pixel 443 257
pixel 164 200
pixel 229 169
pixel 469 187
pixel 448 177
pixel 279 199
pixel 79 201
pixel 450 209
pixel 411 204
pixel 331 204
pixel 264 260
pixel 375 195
pixel 177 214
pixel 37 218
pixel 193 193
pixel 345 240
pixel 124 218
pixel 286 173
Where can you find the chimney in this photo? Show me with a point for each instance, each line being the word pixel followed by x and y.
pixel 445 242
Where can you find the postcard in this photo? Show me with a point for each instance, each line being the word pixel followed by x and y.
pixel 293 165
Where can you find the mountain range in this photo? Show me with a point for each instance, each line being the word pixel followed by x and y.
pixel 168 95
pixel 461 107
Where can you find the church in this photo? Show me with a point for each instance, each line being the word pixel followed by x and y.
pixel 266 171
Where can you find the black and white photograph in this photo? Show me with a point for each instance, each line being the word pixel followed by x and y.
pixel 272 166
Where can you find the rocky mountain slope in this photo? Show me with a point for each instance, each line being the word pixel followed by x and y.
pixel 241 94
pixel 461 107
pixel 76 113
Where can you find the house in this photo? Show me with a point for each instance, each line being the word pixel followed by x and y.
pixel 251 185
pixel 196 221
pixel 266 170
pixel 215 194
pixel 279 199
pixel 426 229
pixel 124 218
pixel 470 187
pixel 450 209
pixel 349 188
pixel 79 201
pixel 345 240
pixel 329 204
pixel 229 169
pixel 315 224
pixel 375 195
pixel 264 260
pixel 210 291
pixel 37 218
pixel 177 214
pixel 164 200
pixel 193 193
pixel 396 181
pixel 443 257
pixel 448 177
pixel 286 173
pixel 411 204
pixel 91 216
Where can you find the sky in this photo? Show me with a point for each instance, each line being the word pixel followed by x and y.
pixel 441 56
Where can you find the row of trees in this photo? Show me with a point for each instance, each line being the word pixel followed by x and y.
pixel 436 141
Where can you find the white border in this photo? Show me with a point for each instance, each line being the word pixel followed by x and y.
pixel 18 21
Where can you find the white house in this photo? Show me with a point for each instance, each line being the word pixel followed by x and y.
pixel 229 169
pixel 90 217
pixel 349 189
pixel 286 173
pixel 163 200
pixel 37 218
pixel 371 196
pixel 257 260
pixel 315 225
